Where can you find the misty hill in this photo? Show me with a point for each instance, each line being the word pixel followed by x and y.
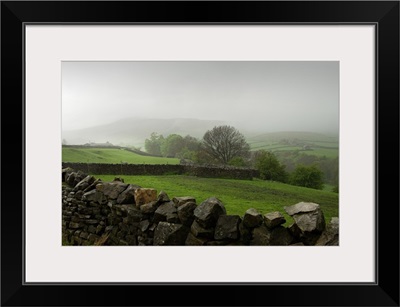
pixel 133 131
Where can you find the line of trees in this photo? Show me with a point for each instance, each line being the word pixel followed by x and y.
pixel 225 145
pixel 222 145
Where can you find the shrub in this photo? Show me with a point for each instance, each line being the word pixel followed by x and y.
pixel 307 176
pixel 269 167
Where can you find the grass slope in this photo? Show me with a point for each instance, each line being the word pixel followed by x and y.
pixel 318 144
pixel 110 155
pixel 238 195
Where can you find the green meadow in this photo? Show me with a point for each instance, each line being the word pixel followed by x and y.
pixel 110 155
pixel 317 144
pixel 238 195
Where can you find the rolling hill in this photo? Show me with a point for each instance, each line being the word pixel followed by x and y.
pixel 310 143
pixel 133 131
pixel 110 155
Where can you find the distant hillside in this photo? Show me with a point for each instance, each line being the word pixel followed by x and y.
pixel 307 142
pixel 133 131
pixel 292 135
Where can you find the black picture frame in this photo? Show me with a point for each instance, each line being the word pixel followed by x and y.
pixel 383 14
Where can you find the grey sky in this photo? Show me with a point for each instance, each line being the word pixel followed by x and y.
pixel 261 95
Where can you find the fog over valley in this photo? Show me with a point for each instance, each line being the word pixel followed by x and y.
pixel 124 102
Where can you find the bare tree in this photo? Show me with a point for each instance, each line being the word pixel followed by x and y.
pixel 224 143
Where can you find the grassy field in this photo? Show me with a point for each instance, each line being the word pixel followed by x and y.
pixel 315 150
pixel 238 195
pixel 110 155
pixel 318 144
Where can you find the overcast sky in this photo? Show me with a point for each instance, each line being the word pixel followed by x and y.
pixel 262 95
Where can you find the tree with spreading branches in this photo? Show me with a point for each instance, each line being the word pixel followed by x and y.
pixel 224 143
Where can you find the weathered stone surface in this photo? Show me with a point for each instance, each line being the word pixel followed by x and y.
pixel 121 234
pixel 64 172
pixel 227 227
pixel 131 240
pixel 294 230
pixel 92 186
pixel 208 212
pixel 261 236
pixel 134 214
pixel 163 197
pixel 144 225
pixel 99 229
pixel 70 178
pixel 164 211
pixel 278 236
pixel 74 178
pixel 84 183
pixel 170 234
pixel 334 224
pixel 121 210
pixel 199 231
pixel 96 204
pixel 194 241
pixel 179 201
pixel 172 218
pixel 309 220
pixel 252 218
pixel 331 234
pixel 128 195
pixel 150 207
pixel 84 235
pixel 92 229
pixel 123 226
pixel 113 219
pixel 95 197
pixel 109 228
pixel 134 228
pixel 301 207
pixel 92 238
pixel 122 242
pixel 111 189
pixel 144 196
pixel 76 240
pixel 274 219
pixel 186 213
pixel 78 195
pixel 245 234
pixel 91 222
pixel 75 225
pixel 75 219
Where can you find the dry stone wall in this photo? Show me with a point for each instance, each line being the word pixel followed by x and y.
pixel 164 169
pixel 117 213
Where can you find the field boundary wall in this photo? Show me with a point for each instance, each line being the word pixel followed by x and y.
pixel 116 213
pixel 163 169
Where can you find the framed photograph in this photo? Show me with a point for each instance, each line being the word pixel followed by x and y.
pixel 223 153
